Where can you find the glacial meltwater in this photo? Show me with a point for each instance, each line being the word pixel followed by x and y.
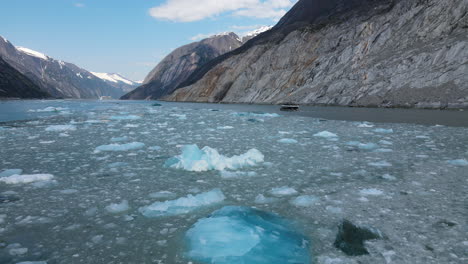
pixel 139 182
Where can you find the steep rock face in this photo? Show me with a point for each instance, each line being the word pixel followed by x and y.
pixel 391 53
pixel 59 79
pixel 13 84
pixel 177 66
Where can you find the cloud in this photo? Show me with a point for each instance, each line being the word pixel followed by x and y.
pixel 190 10
pixel 80 5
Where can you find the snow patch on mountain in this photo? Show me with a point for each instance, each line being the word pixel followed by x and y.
pixel 257 31
pixel 33 53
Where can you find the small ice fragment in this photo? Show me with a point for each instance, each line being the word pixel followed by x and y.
pixel 334 210
pixel 380 164
pixel 7 173
pixel 69 191
pixel 117 147
pixel 119 139
pixel 283 191
pixel 458 162
pixel 364 146
pixel 371 192
pixel 49 109
pixel 19 179
pixel 162 194
pixel 97 239
pixel 60 128
pixel 18 251
pixel 32 262
pixel 383 130
pixel 261 199
pixel 127 117
pixel 155 148
pixel 326 134
pixel 365 125
pixel 236 174
pixel 288 141
pixel 183 205
pixel 389 177
pixel 257 114
pixel 117 208
pixel 304 200
pixel 195 159
pixel 225 127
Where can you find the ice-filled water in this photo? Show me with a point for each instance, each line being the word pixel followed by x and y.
pixel 79 193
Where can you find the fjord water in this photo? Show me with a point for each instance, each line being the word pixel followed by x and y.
pixel 100 166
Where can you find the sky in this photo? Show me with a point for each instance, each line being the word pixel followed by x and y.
pixel 127 36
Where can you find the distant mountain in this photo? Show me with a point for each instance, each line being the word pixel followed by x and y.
pixel 58 78
pixel 13 84
pixel 118 81
pixel 252 34
pixel 178 65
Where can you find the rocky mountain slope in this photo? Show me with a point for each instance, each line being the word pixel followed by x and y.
pixel 58 78
pixel 179 64
pixel 386 53
pixel 13 84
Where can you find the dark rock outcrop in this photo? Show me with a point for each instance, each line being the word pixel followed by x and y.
pixel 385 53
pixel 350 238
pixel 13 84
pixel 180 64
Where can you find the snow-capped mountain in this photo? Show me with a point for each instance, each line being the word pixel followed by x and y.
pixel 117 80
pixel 252 34
pixel 55 77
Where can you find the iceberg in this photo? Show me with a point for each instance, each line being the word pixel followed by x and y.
pixel 287 141
pixel 117 147
pixel 304 200
pixel 195 159
pixel 458 162
pixel 326 134
pixel 183 205
pixel 21 179
pixel 237 234
pixel 283 191
pixel 60 128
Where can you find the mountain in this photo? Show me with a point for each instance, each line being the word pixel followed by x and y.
pixel 252 34
pixel 13 84
pixel 58 78
pixel 118 81
pixel 384 53
pixel 179 64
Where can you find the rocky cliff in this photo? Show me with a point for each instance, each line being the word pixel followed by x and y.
pixel 13 84
pixel 386 53
pixel 177 66
pixel 58 78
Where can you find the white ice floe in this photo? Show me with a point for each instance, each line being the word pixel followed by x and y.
pixel 364 146
pixel 183 205
pixel 118 147
pixel 195 159
pixel 458 162
pixel 371 192
pixel 22 179
pixel 225 127
pixel 117 208
pixel 288 141
pixel 383 130
pixel 283 191
pixel 125 117
pixel 380 164
pixel 305 200
pixel 60 128
pixel 365 125
pixel 326 134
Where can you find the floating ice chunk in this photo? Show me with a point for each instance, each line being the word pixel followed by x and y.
pixel 383 150
pixel 162 194
pixel 283 191
pixel 32 262
pixel 183 205
pixel 195 159
pixel 155 148
pixel 49 109
pixel 458 162
pixel 365 125
pixel 261 199
pixel 21 179
pixel 117 208
pixel 119 139
pixel 180 116
pixel 288 141
pixel 389 177
pixel 305 200
pixel 18 251
pixel 126 117
pixel 364 146
pixel 245 235
pixel 117 147
pixel 236 174
pixel 7 173
pixel 380 164
pixel 225 127
pixel 60 128
pixel 326 134
pixel 371 192
pixel 383 130
pixel 257 114
pixel 334 210
pixel 385 142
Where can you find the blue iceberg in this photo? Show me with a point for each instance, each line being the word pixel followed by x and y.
pixel 238 235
